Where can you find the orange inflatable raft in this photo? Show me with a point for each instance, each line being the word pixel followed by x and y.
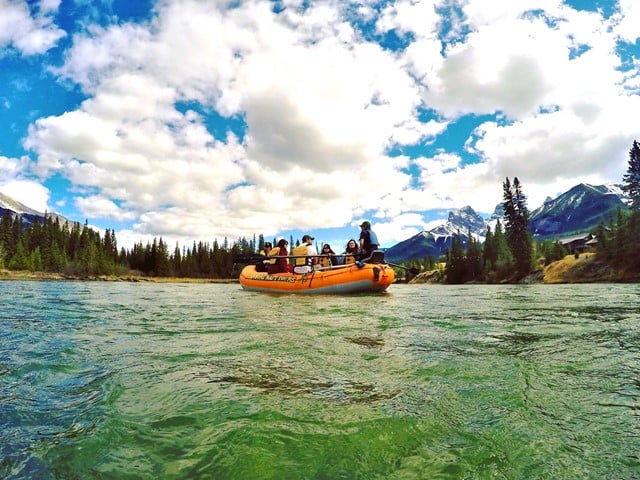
pixel 354 278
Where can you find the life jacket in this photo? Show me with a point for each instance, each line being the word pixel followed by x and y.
pixel 349 259
pixel 324 261
pixel 373 238
pixel 299 251
pixel 370 241
pixel 274 253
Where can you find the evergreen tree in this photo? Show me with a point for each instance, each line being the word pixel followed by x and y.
pixel 504 259
pixel 6 226
pixel 631 180
pixel 162 266
pixel 473 268
pixel 489 251
pixel 455 269
pixel 497 258
pixel 516 218
pixel 34 261
pixel 19 260
pixel 177 261
pixel 551 251
pixel 603 245
pixel 16 237
pixel 77 249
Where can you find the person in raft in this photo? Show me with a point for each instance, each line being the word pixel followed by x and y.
pixel 351 252
pixel 267 248
pixel 281 265
pixel 261 265
pixel 331 259
pixel 368 240
pixel 306 248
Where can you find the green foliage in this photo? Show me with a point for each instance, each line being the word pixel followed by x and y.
pixel 516 217
pixel 473 264
pixel 618 243
pixel 631 180
pixel 456 262
pixel 551 251
pixel 79 250
pixel 19 260
pixel 464 264
pixel 498 261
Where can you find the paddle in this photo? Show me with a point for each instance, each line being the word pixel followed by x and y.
pixel 252 258
pixel 248 258
pixel 412 271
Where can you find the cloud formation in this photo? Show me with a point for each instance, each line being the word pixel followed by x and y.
pixel 326 110
pixel 29 34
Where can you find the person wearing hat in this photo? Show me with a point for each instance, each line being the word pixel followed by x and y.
pixel 305 253
pixel 311 250
pixel 262 265
pixel 368 239
pixel 267 248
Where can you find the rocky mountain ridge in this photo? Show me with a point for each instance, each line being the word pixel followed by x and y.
pixel 579 210
pixel 28 215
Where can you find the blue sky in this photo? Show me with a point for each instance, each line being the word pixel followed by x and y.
pixel 193 120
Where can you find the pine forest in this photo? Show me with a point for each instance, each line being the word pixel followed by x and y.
pixel 508 253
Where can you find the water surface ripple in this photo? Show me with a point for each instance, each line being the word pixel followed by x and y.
pixel 173 381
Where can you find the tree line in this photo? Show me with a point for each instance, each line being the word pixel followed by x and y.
pixel 619 241
pixel 72 249
pixel 507 254
pixel 510 253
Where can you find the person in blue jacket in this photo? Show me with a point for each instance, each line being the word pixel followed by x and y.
pixel 368 239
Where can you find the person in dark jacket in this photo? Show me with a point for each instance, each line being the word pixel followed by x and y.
pixel 368 239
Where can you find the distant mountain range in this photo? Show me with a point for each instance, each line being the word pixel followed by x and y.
pixel 579 210
pixel 28 215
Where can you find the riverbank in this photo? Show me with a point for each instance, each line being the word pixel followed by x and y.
pixel 27 275
pixel 585 268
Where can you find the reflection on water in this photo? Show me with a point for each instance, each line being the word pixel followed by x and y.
pixel 110 380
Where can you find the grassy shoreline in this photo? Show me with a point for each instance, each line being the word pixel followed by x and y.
pixel 27 275
pixel 583 269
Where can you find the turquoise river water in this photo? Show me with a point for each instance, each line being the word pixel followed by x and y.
pixel 206 381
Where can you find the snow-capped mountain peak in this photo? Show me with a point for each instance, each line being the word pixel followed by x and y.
pixel 8 203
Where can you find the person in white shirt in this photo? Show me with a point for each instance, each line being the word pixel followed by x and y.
pixel 311 249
